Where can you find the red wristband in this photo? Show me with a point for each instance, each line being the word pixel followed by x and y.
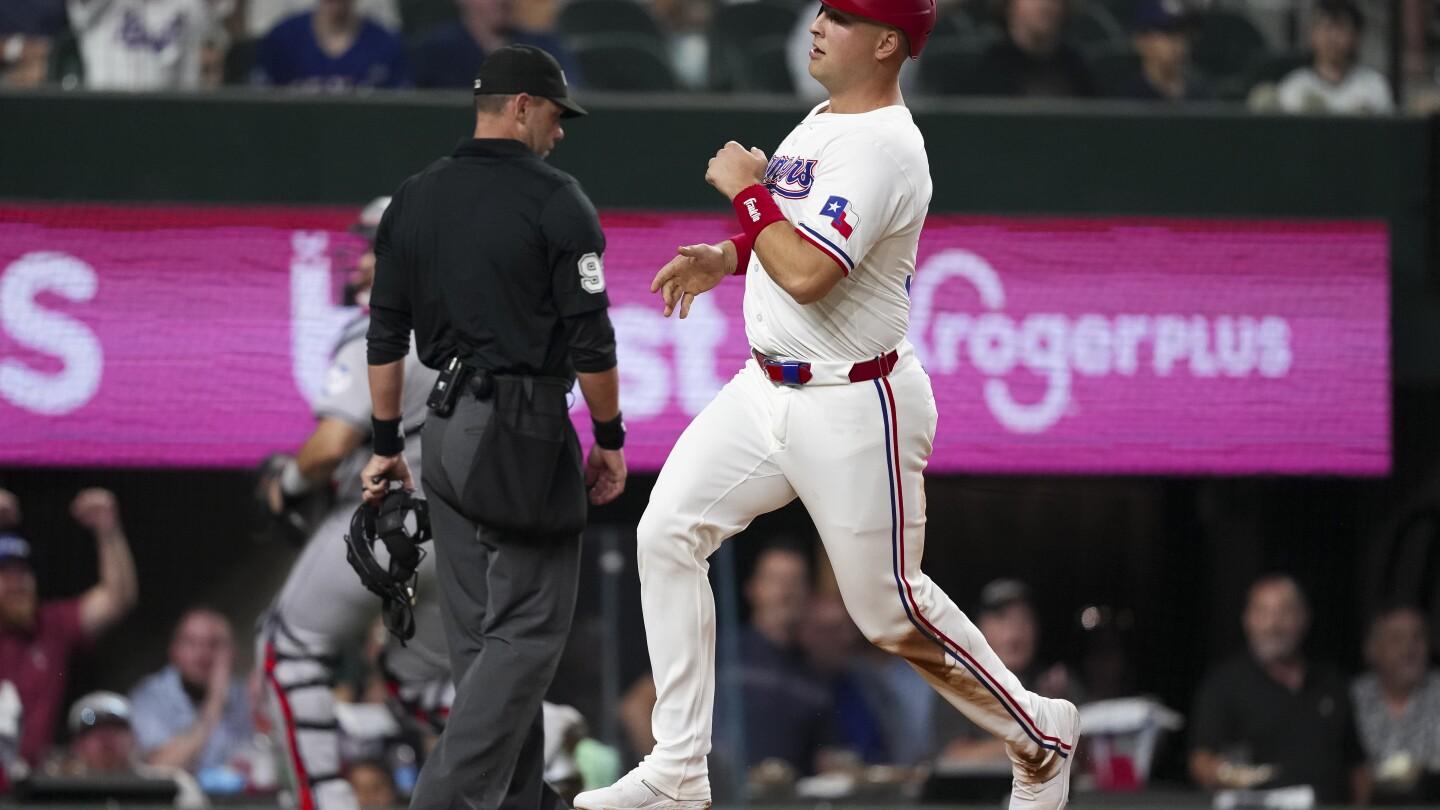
pixel 756 210
pixel 743 243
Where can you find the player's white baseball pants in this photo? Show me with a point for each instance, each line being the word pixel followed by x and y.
pixel 854 455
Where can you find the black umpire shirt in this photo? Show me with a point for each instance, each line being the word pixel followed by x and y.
pixel 494 256
pixel 1243 714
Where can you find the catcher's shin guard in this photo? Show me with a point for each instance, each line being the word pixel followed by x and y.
pixel 302 705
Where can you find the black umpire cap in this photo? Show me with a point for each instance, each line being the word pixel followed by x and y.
pixel 516 69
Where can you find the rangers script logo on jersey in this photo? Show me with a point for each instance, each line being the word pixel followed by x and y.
pixel 790 177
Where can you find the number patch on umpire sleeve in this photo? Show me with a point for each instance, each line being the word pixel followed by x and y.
pixel 592 273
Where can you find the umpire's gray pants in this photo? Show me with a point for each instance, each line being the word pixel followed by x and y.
pixel 507 603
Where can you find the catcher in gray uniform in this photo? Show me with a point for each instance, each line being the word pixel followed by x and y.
pixel 323 605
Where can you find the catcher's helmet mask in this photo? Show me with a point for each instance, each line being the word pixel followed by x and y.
pixel 402 523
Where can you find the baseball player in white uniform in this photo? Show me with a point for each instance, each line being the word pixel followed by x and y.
pixel 833 409
pixel 323 604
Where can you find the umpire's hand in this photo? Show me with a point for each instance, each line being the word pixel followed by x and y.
pixel 604 474
pixel 378 474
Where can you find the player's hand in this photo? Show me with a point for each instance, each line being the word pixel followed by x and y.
pixel 96 510
pixel 734 169
pixel 9 510
pixel 379 472
pixel 696 269
pixel 604 474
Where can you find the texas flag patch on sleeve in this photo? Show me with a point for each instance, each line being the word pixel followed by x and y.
pixel 842 215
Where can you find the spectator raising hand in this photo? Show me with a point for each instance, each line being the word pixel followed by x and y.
pixel 37 638
pixel 106 603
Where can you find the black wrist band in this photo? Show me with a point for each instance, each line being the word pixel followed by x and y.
pixel 387 438
pixel 610 435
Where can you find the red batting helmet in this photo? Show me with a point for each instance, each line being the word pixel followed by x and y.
pixel 915 18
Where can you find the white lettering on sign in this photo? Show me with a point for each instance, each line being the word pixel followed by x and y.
pixel 1057 347
pixel 31 325
pixel 648 379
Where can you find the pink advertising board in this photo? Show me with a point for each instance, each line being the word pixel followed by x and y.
pixel 196 336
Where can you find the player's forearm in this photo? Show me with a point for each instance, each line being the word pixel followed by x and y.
pixel 315 469
pixel 386 383
pixel 601 390
pixel 800 269
pixel 328 445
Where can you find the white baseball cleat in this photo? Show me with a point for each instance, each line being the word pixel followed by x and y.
pixel 634 792
pixel 1053 791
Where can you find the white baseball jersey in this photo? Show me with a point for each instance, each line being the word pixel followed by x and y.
pixel 857 187
pixel 144 44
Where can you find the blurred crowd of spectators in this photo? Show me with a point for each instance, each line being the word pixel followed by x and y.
pixel 1290 55
pixel 817 700
pixel 197 726
pixel 806 700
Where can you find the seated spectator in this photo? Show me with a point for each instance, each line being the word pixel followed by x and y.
pixel 1162 39
pixel 1032 59
pixel 837 652
pixel 37 638
pixel 787 712
pixel 1335 82
pixel 263 15
pixel 450 54
pixel 884 710
pixel 1397 707
pixel 147 45
pixel 193 714
pixel 373 784
pixel 1270 718
pixel 27 30
pixel 331 48
pixel 102 744
pixel 1006 617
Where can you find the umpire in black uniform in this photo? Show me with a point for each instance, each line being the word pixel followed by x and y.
pixel 495 260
